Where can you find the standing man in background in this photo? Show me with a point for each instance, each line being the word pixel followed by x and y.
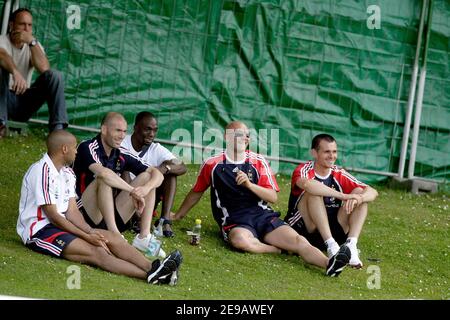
pixel 20 54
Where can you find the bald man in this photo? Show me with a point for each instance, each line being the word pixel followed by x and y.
pixel 242 186
pixel 50 223
pixel 106 200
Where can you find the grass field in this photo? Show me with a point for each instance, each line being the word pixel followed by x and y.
pixel 406 238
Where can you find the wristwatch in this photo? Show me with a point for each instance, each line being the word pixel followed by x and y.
pixel 167 168
pixel 33 43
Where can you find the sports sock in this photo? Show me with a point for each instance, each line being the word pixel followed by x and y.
pixel 352 241
pixel 330 242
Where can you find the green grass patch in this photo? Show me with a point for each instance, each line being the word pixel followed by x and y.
pixel 405 236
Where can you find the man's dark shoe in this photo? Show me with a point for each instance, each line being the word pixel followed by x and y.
pixel 338 262
pixel 165 272
pixel 167 228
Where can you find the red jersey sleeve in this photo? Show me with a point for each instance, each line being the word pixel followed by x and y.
pixel 204 177
pixel 304 170
pixel 348 182
pixel 266 177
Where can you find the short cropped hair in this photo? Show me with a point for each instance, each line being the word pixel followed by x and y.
pixel 142 115
pixel 318 138
pixel 13 15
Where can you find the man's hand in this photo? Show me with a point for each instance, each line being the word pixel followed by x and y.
pixel 139 192
pixel 21 36
pixel 139 203
pixel 352 201
pixel 242 179
pixel 19 84
pixel 97 239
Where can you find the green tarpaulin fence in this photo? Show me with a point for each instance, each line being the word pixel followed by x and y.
pixel 291 68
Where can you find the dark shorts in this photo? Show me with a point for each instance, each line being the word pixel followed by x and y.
pixel 50 240
pixel 259 225
pixel 315 238
pixel 122 226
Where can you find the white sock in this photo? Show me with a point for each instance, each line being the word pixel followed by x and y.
pixel 330 242
pixel 352 241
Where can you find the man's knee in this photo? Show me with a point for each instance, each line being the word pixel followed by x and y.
pixel 311 198
pixel 241 241
pixel 52 74
pixel 52 78
pixel 101 183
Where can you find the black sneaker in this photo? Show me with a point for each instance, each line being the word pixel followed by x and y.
pixel 163 272
pixel 173 279
pixel 338 262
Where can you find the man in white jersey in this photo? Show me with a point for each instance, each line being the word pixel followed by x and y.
pixel 50 223
pixel 20 54
pixel 141 143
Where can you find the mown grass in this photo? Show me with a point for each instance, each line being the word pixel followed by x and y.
pixel 406 236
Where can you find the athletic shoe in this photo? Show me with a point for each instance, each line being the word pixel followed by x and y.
pixel 178 258
pixel 338 262
pixel 161 272
pixel 149 245
pixel 169 273
pixel 355 262
pixel 332 250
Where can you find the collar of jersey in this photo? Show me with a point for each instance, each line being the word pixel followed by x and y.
pixel 50 163
pixel 234 162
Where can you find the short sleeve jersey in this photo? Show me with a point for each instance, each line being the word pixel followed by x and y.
pixel 338 179
pixel 43 185
pixel 227 198
pixel 92 151
pixel 154 155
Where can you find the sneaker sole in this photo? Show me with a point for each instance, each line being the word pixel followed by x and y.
pixel 165 270
pixel 356 266
pixel 340 261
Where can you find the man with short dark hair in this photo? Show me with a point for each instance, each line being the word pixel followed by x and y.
pixel 50 223
pixel 20 54
pixel 327 205
pixel 141 143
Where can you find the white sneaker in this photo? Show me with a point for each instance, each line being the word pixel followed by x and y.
pixel 149 245
pixel 355 262
pixel 332 250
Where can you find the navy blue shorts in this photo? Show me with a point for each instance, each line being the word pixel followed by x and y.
pixel 315 238
pixel 122 226
pixel 259 224
pixel 50 240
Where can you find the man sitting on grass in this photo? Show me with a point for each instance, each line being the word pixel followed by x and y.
pixel 327 205
pixel 50 223
pixel 242 185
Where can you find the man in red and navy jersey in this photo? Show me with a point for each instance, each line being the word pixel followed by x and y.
pixel 106 200
pixel 242 184
pixel 327 205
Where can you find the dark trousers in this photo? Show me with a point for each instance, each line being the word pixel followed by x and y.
pixel 48 87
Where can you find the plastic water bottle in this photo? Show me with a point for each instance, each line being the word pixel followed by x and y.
pixel 154 248
pixel 195 235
